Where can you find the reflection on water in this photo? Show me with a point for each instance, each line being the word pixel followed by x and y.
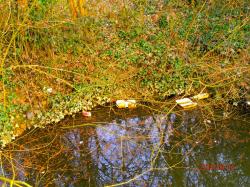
pixel 125 148
pixel 136 149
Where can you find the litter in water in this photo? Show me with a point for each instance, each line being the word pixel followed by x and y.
pixel 186 103
pixel 201 96
pixel 183 101
pixel 126 104
pixel 86 114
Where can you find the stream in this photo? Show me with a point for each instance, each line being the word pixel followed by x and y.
pixel 133 148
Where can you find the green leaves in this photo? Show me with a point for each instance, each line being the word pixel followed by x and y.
pixel 145 46
pixel 163 23
pixel 6 123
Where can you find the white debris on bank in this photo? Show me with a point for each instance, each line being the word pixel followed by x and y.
pixel 126 103
pixel 188 103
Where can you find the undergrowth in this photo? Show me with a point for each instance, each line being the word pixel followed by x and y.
pixel 53 65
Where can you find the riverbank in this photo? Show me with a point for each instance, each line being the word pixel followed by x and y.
pixel 53 65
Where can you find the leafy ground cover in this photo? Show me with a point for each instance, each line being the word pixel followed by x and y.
pixel 53 65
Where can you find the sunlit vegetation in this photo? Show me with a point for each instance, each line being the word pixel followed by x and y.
pixel 59 57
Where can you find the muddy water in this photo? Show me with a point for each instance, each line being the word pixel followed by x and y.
pixel 133 148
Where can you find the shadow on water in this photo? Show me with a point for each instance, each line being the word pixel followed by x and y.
pixel 133 148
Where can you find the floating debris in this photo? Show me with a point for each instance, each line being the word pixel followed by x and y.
pixel 126 104
pixel 186 103
pixel 201 96
pixel 183 101
pixel 131 103
pixel 86 114
pixel 121 104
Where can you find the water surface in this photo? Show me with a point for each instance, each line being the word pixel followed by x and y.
pixel 133 148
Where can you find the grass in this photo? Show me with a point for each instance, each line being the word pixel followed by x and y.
pixel 147 50
pixel 14 182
